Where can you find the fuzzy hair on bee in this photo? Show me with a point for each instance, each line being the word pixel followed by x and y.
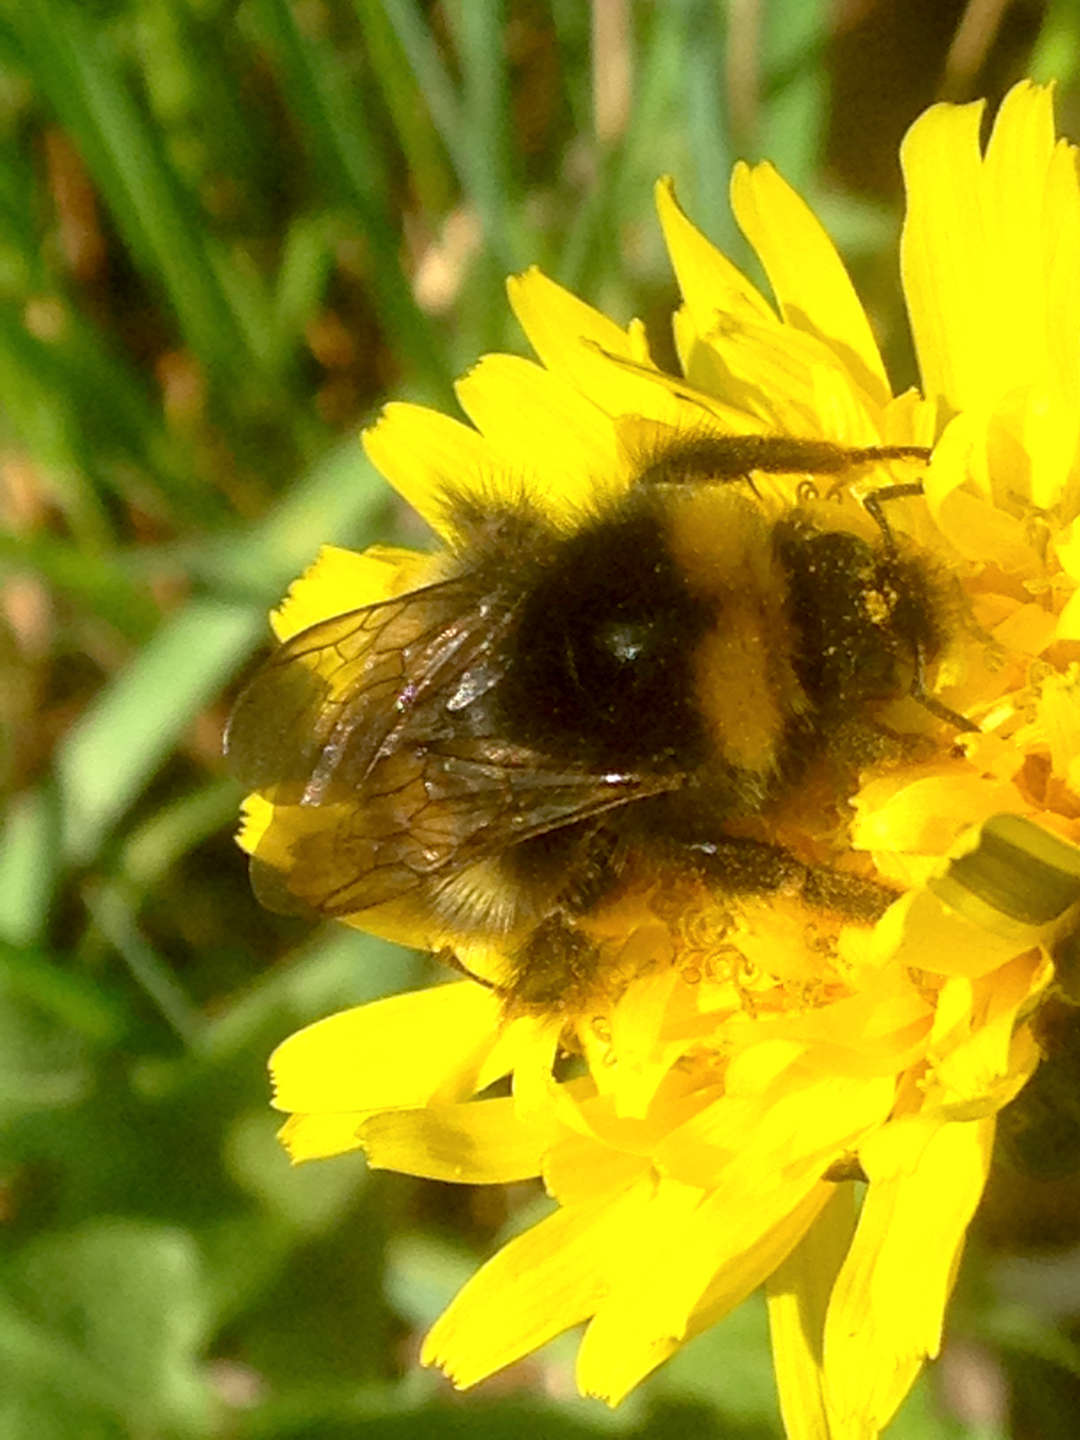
pixel 571 711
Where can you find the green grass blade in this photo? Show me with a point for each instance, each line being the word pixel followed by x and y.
pixel 175 829
pixel 796 87
pixel 115 747
pixel 30 865
pixel 707 123
pixel 340 502
pixel 338 131
pixel 113 915
pixel 95 580
pixel 78 73
pixel 399 85
pixel 489 126
pixel 474 124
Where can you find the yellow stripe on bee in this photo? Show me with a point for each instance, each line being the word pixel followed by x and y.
pixel 745 684
pixel 736 691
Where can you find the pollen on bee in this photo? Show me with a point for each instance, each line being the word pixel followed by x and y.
pixel 877 607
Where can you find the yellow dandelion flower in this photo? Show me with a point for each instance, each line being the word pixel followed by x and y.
pixel 756 863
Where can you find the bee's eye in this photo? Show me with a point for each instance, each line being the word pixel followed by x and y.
pixel 625 641
pixel 620 675
pixel 620 666
pixel 617 658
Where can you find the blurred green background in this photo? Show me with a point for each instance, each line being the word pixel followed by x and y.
pixel 227 231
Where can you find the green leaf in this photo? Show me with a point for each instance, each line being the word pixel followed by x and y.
pixel 106 1322
pixel 729 1367
pixel 114 916
pixel 921 1417
pixel 44 1025
pixel 423 1274
pixel 42 981
pixel 29 865
pixel 339 967
pixel 117 745
pixel 309 1198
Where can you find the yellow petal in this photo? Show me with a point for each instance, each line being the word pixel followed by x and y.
pixel 395 1052
pixel 794 379
pixel 556 321
pixel 1029 629
pixel 1061 231
pixel 556 443
pixel 710 284
pixel 981 1061
pixel 315 1137
pixel 424 454
pixel 578 1169
pixel 635 1035
pixel 519 1043
pixel 888 1304
pixel 934 937
pixel 573 340
pixel 728 1240
pixel 943 253
pixel 533 1082
pixel 973 524
pixel 1055 728
pixel 344 580
pixel 256 816
pixel 637 1328
pixel 1015 173
pixel 878 1030
pixel 705 366
pixel 616 1333
pixel 484 1142
pixel 926 815
pixel 812 287
pixel 977 260
pixel 538 1285
pixel 805 1119
pixel 798 1293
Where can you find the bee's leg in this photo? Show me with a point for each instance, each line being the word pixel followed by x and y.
pixel 568 872
pixel 930 702
pixel 448 956
pixel 873 502
pixel 852 896
pixel 555 968
pixel 751 867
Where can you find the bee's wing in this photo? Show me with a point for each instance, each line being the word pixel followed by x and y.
pixel 365 733
pixel 330 700
pixel 421 817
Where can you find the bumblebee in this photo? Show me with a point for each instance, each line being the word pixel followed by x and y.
pixel 568 713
